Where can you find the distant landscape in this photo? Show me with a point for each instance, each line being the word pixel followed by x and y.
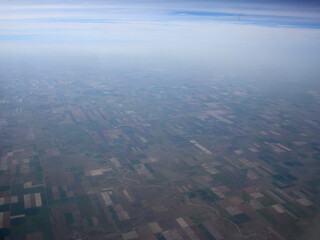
pixel 159 120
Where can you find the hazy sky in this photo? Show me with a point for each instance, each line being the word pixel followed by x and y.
pixel 230 35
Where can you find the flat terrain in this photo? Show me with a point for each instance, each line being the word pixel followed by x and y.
pixel 90 157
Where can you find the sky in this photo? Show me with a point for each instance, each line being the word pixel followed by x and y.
pixel 232 37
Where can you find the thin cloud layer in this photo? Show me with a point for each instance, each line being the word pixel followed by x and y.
pixel 237 35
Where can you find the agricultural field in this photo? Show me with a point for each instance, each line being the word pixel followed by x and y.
pixel 118 160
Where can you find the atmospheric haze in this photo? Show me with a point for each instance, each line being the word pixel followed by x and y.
pixel 238 39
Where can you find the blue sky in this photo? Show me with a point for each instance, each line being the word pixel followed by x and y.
pixel 236 35
pixel 56 20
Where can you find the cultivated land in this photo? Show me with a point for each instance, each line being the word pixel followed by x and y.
pixel 90 158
